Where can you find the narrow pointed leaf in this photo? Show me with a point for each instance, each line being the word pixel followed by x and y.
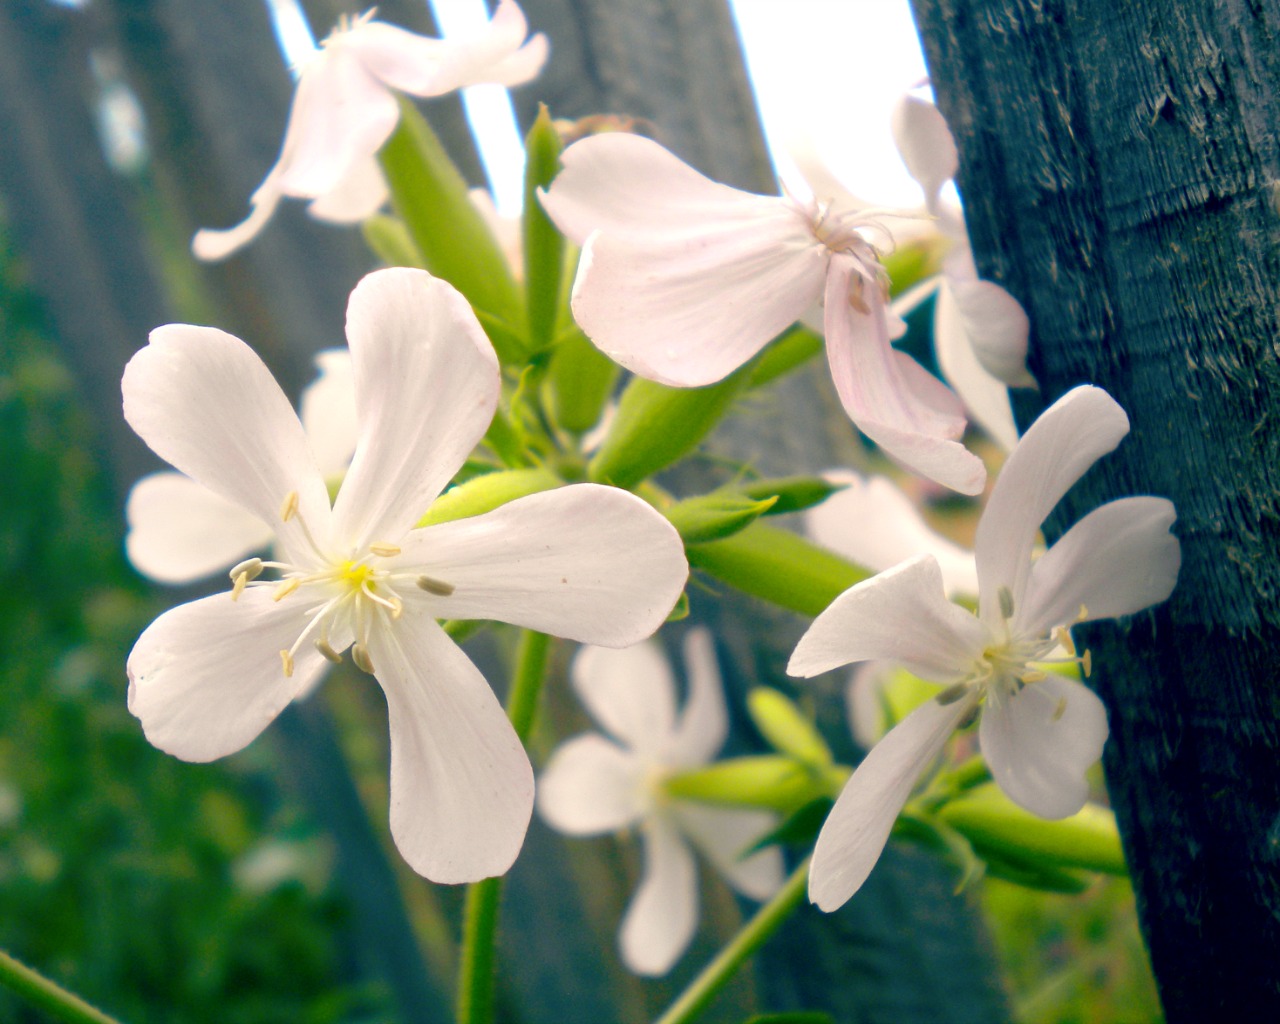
pixel 543 243
pixel 786 728
pixel 485 493
pixel 794 493
pixel 768 781
pixel 715 516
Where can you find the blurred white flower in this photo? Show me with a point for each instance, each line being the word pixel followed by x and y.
pixel 345 108
pixel 591 563
pixel 597 783
pixel 1039 731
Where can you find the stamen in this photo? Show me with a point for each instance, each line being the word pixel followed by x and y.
pixel 393 604
pixel 952 694
pixel 360 655
pixel 384 550
pixel 1060 710
pixel 433 586
pixel 1033 675
pixel 286 660
pixel 1006 602
pixel 289 508
pixel 1082 614
pixel 249 569
pixel 1063 636
pixel 286 588
pixel 1086 662
pixel 329 653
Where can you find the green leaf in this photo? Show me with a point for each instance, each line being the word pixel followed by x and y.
pixel 430 195
pixel 1030 875
pixel 794 493
pixel 391 242
pixel 543 243
pixel 779 567
pixel 794 348
pixel 714 516
pixel 580 380
pixel 485 493
pixel 988 818
pixel 656 426
pixel 765 780
pixel 785 728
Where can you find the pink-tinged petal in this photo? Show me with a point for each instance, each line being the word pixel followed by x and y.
pixel 426 386
pixel 204 402
pixel 704 722
pixel 925 143
pixel 997 328
pixel 1040 742
pixel 393 55
pixel 856 830
pixel 328 412
pixel 902 615
pixel 1117 560
pixel 213 244
pixel 591 786
pixel 890 397
pixel 1069 437
pixel 630 692
pixel 360 194
pixel 206 677
pixel 586 562
pixel 663 914
pixel 498 53
pixel 180 532
pixel 873 523
pixel 341 116
pixel 724 834
pixel 461 784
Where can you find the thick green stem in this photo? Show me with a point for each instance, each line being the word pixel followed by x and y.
pixel 753 935
pixel 39 991
pixel 480 915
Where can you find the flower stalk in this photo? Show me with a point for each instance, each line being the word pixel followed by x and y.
pixel 47 995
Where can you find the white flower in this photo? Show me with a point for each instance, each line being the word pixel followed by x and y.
pixel 980 331
pixel 180 532
pixel 1039 731
pixel 596 783
pixel 682 280
pixel 590 563
pixel 345 109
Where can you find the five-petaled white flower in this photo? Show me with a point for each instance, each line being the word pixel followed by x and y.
pixel 682 280
pixel 591 563
pixel 1039 731
pixel 595 784
pixel 180 532
pixel 344 110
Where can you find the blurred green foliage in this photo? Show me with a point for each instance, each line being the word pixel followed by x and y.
pixel 160 891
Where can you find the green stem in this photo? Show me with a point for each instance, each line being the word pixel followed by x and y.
pixel 39 991
pixel 480 915
pixel 753 935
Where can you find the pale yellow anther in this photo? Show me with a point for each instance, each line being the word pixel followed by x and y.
pixel 1063 636
pixel 286 588
pixel 384 550
pixel 238 584
pixel 1086 663
pixel 286 660
pixel 361 657
pixel 289 507
pixel 329 653
pixel 433 586
pixel 397 606
pixel 249 569
pixel 1083 614
pixel 1033 675
pixel 1060 710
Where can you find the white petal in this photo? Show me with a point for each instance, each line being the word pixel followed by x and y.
pixel 902 615
pixel 890 397
pixel 341 116
pixel 214 244
pixel 328 412
pixel 704 722
pixel 1069 437
pixel 1117 560
pixel 925 143
pixel 998 329
pixel 204 402
pixel 873 523
pixel 663 914
pixel 360 194
pixel 630 692
pixel 591 786
pixel 854 834
pixel 1040 742
pixel 589 563
pixel 461 784
pixel 206 677
pixel 723 834
pixel 180 532
pixel 393 55
pixel 426 386
pixel 985 397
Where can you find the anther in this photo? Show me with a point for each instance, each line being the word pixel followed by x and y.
pixel 249 569
pixel 1063 636
pixel 1033 675
pixel 286 588
pixel 951 694
pixel 384 550
pixel 433 586
pixel 1060 710
pixel 286 660
pixel 1082 614
pixel 1006 602
pixel 361 658
pixel 289 508
pixel 1086 663
pixel 329 653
